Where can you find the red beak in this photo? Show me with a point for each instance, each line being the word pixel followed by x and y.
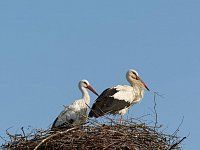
pixel 93 90
pixel 143 83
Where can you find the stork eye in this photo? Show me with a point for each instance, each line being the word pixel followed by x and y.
pixel 134 73
pixel 134 77
pixel 85 82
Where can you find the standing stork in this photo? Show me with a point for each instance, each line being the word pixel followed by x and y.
pixel 118 99
pixel 76 113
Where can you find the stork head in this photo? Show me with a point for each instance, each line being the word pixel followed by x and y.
pixel 86 84
pixel 133 78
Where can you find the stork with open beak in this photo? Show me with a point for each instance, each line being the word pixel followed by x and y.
pixel 118 99
pixel 76 113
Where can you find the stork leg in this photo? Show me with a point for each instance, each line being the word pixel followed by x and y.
pixel 120 119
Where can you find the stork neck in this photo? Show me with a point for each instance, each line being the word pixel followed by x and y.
pixel 134 85
pixel 85 94
pixel 139 90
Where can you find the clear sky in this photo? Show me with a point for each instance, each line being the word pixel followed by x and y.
pixel 47 46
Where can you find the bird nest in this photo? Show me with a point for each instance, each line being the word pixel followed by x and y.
pixel 127 136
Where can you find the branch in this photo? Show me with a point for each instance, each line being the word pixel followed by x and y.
pixel 154 108
pixel 174 145
pixel 53 135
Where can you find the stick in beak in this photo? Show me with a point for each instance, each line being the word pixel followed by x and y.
pixel 91 89
pixel 138 78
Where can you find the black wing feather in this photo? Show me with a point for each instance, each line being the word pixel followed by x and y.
pixel 105 104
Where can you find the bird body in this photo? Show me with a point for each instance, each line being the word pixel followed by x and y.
pixel 129 94
pixel 76 113
pixel 118 99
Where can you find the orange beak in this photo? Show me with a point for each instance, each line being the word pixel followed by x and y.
pixel 138 78
pixel 91 89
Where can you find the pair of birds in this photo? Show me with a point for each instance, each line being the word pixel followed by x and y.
pixel 114 100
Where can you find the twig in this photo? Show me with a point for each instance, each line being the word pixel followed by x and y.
pixel 176 131
pixel 3 138
pixel 174 145
pixel 10 136
pixel 161 95
pixel 110 145
pixel 154 108
pixel 23 133
pixel 53 135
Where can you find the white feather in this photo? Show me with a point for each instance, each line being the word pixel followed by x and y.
pixel 128 93
pixel 77 112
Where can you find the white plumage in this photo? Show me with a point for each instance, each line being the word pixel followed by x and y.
pixel 76 113
pixel 128 94
pixel 118 99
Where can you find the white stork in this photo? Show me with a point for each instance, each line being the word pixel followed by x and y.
pixel 118 99
pixel 76 113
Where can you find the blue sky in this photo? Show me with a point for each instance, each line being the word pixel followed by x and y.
pixel 46 47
